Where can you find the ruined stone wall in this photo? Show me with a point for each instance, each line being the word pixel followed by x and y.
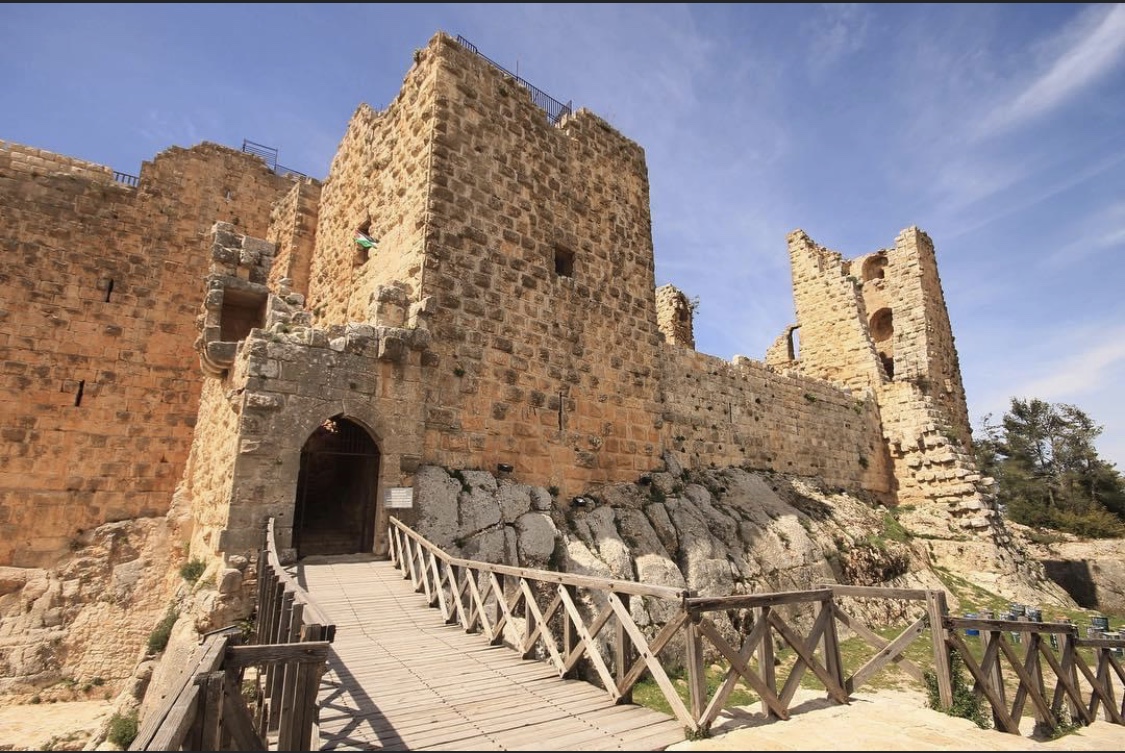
pixel 379 181
pixel 931 351
pixel 293 230
pixel 718 414
pixel 67 233
pixel 540 263
pixel 830 310
pixel 674 316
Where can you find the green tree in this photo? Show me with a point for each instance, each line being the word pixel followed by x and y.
pixel 1050 476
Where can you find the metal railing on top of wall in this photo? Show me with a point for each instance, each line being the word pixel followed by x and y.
pixel 555 109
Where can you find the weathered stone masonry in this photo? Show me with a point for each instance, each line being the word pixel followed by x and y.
pixel 505 318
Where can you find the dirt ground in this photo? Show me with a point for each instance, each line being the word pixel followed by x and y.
pixel 884 720
pixel 880 720
pixel 51 726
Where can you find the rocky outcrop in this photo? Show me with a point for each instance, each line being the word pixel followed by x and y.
pixel 716 532
pixel 81 624
pixel 1091 572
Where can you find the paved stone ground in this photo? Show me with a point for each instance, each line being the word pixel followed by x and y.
pixel 884 720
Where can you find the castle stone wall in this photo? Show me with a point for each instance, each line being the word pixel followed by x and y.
pixel 746 414
pixel 539 260
pixel 380 180
pixel 293 230
pixel 99 385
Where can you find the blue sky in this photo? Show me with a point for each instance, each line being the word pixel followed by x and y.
pixel 997 129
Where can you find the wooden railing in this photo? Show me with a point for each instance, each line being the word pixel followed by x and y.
pixel 1066 687
pixel 817 650
pixel 568 618
pixel 250 697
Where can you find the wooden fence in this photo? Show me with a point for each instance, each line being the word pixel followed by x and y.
pixel 567 619
pixel 250 697
pixel 1065 691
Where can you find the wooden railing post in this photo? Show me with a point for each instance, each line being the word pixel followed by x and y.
pixel 499 596
pixel 995 675
pixel 937 611
pixel 697 678
pixel 528 624
pixel 833 662
pixel 625 653
pixel 1070 667
pixel 766 660
pixel 569 634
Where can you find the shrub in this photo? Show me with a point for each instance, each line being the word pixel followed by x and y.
pixel 966 704
pixel 192 569
pixel 158 638
pixel 122 729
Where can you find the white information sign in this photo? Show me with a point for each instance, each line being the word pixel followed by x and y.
pixel 399 497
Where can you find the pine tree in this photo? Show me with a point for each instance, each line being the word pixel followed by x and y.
pixel 1049 473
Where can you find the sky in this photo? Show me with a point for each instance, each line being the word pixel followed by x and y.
pixel 997 129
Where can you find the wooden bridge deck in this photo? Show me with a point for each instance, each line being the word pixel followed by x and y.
pixel 399 678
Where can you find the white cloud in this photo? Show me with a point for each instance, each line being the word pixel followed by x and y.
pixel 1104 230
pixel 1082 372
pixel 1095 45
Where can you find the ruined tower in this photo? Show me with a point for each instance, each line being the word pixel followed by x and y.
pixel 879 323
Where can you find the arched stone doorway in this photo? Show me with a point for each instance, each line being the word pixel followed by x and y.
pixel 336 490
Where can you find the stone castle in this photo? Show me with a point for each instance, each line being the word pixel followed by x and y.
pixel 472 287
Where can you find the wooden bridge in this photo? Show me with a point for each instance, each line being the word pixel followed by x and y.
pixel 417 653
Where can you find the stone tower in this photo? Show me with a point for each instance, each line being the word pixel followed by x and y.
pixel 879 324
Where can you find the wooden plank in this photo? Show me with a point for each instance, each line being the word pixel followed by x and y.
pixel 209 717
pixel 554 577
pixel 697 679
pixel 1028 687
pixel 1065 686
pixel 806 654
pixel 833 662
pixel 889 653
pixel 541 627
pixel 878 592
pixel 767 661
pixel 646 650
pixel 1007 626
pixel 936 612
pixel 750 601
pixel 1099 692
pixel 170 734
pixel 722 692
pixel 593 630
pixel 738 663
pixel 245 656
pixel 238 722
pixel 874 639
pixel 1099 643
pixel 999 708
pixel 587 641
pixel 623 650
pixel 653 665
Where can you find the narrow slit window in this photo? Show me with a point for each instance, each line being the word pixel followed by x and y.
pixel 564 262
pixel 108 290
pixel 78 395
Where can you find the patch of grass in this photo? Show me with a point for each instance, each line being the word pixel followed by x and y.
pixel 158 638
pixel 192 569
pixel 123 729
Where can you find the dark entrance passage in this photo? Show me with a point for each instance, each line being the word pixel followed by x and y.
pixel 336 491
